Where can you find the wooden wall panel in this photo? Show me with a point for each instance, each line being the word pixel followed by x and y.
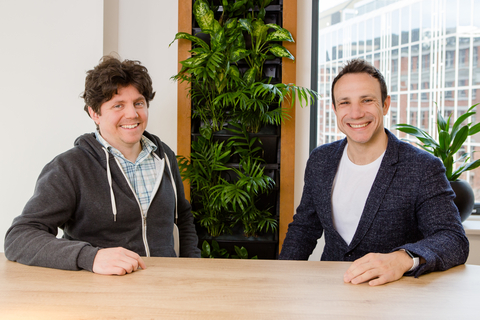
pixel 287 152
pixel 183 102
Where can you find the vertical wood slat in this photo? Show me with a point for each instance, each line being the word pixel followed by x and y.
pixel 287 145
pixel 183 102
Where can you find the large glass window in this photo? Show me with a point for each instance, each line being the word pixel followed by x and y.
pixel 428 51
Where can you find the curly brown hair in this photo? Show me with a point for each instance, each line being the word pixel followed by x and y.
pixel 103 81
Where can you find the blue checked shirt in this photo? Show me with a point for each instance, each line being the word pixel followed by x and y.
pixel 142 174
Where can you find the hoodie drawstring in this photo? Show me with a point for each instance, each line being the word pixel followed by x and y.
pixel 176 233
pixel 176 236
pixel 109 177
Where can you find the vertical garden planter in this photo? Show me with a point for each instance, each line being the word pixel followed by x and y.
pixel 239 124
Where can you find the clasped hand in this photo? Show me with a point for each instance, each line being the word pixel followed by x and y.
pixel 378 268
pixel 117 261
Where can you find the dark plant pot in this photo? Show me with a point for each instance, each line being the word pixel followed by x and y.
pixel 464 198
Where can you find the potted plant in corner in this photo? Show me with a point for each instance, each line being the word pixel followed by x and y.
pixel 450 139
pixel 235 98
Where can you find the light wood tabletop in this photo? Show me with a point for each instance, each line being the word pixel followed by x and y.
pixel 172 288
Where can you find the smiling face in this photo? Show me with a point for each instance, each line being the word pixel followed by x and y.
pixel 122 120
pixel 359 109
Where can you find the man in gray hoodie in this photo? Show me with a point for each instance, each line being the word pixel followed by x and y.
pixel 117 194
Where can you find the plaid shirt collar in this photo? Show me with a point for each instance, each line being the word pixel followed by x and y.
pixel 147 147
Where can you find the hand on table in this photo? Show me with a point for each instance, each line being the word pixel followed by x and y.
pixel 378 268
pixel 117 261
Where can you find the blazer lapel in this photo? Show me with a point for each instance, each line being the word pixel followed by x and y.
pixel 324 201
pixel 380 186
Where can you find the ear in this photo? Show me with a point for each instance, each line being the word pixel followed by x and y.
pixel 386 105
pixel 93 115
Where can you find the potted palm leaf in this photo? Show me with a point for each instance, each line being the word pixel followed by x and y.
pixel 451 138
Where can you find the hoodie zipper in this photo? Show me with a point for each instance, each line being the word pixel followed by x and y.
pixel 144 232
pixel 144 217
pixel 143 214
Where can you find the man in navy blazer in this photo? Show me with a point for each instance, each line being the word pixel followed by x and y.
pixel 380 202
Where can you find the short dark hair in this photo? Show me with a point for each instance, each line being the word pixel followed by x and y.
pixel 361 66
pixel 103 81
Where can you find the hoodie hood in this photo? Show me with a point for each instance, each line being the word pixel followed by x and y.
pixel 88 143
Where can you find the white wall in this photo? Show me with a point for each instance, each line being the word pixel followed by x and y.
pixel 46 47
pixel 145 29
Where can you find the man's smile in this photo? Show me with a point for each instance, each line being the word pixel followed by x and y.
pixel 355 126
pixel 129 126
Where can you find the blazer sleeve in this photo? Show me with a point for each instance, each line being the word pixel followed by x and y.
pixel 306 228
pixel 445 244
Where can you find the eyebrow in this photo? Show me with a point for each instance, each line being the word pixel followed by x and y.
pixel 361 97
pixel 141 97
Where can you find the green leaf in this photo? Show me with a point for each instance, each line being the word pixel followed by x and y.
pixel 472 165
pixel 441 123
pixel 461 169
pixel 281 51
pixel 462 118
pixel 280 35
pixel 239 54
pixel 194 61
pixel 459 139
pixel 234 72
pixel 206 132
pixel 218 41
pixel 246 25
pixel 260 30
pixel 448 163
pixel 444 141
pixel 215 245
pixel 412 130
pixel 249 75
pixel 242 252
pixel 474 129
pixel 238 5
pixel 420 134
pixel 204 16
pixel 205 249
pixel 261 14
pixel 194 39
pixel 230 25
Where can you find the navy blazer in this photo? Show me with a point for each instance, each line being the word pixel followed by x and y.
pixel 410 206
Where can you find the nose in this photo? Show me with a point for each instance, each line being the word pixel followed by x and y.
pixel 356 111
pixel 130 112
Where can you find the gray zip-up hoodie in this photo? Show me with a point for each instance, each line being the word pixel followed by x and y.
pixel 74 194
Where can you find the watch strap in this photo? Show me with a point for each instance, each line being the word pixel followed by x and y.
pixel 416 260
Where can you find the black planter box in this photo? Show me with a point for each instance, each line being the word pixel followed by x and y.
pixel 263 246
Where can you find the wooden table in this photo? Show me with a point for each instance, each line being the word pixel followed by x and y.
pixel 172 288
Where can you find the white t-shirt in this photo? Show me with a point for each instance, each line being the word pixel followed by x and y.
pixel 351 187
